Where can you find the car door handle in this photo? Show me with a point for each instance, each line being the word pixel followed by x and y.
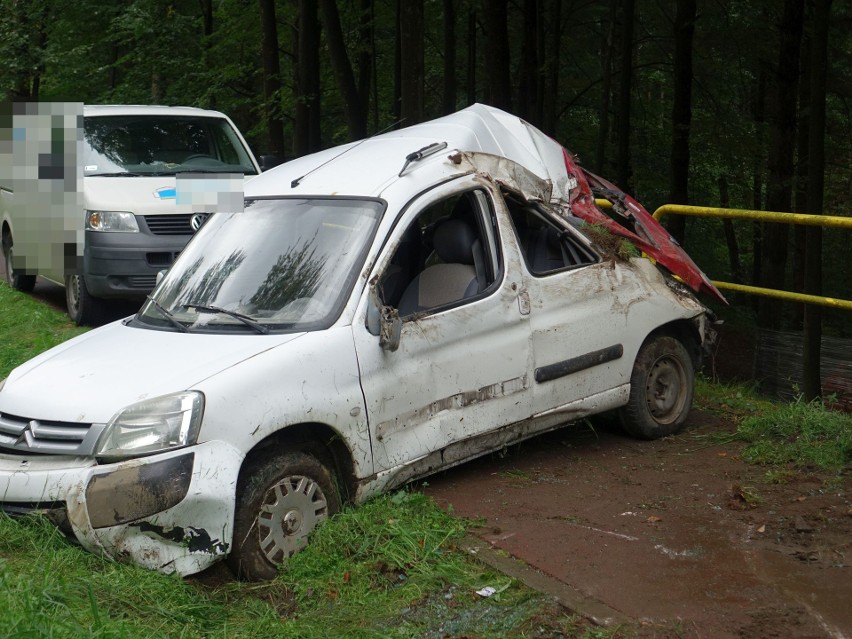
pixel 524 302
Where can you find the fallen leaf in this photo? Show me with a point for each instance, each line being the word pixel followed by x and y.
pixel 653 519
pixel 800 498
pixel 346 577
pixel 762 529
pixel 723 454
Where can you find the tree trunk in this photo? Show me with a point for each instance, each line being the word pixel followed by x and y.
pixel 608 53
pixel 800 196
pixel 730 235
pixel 811 387
pixel 758 113
pixel 207 33
pixel 781 152
pixel 471 57
pixel 271 77
pixel 625 82
pixel 307 130
pixel 684 28
pixel 366 54
pixel 449 96
pixel 497 58
pixel 412 73
pixel 528 99
pixel 356 120
pixel 550 92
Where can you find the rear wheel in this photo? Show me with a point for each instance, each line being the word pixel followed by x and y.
pixel 661 388
pixel 282 499
pixel 15 278
pixel 83 309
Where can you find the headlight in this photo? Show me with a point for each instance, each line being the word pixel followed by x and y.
pixel 153 425
pixel 111 221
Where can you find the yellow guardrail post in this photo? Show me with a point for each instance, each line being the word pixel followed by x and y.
pixel 801 219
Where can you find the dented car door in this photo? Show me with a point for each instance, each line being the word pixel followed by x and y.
pixel 462 365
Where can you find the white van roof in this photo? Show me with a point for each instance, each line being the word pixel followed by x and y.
pixel 142 109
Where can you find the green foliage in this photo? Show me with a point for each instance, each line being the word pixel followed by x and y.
pixel 612 245
pixel 798 435
pixel 802 434
pixel 734 402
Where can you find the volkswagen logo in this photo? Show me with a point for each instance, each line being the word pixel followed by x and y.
pixel 197 220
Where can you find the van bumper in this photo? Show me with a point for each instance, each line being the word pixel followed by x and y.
pixel 125 265
pixel 171 512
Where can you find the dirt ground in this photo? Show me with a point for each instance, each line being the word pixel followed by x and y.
pixel 679 535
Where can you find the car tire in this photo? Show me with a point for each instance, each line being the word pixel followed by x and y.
pixel 15 279
pixel 83 309
pixel 280 501
pixel 661 388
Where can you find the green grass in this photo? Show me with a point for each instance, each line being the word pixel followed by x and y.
pixel 798 435
pixel 386 569
pixel 802 434
pixel 28 327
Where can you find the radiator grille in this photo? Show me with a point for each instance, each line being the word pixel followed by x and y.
pixel 27 436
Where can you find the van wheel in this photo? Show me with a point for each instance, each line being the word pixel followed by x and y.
pixel 281 500
pixel 661 388
pixel 83 309
pixel 16 279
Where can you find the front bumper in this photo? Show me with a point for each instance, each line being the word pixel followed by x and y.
pixel 171 512
pixel 126 264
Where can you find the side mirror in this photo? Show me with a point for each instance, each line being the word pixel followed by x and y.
pixel 269 161
pixel 384 322
pixel 391 329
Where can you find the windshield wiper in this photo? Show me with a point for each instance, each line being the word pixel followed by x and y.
pixel 182 327
pixel 118 174
pixel 245 319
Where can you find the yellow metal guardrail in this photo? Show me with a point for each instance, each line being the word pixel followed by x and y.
pixel 825 221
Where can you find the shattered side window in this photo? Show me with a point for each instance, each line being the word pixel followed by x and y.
pixel 446 255
pixel 546 247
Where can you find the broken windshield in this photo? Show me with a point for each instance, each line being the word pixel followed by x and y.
pixel 282 264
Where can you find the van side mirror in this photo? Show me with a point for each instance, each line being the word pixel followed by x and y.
pixel 267 162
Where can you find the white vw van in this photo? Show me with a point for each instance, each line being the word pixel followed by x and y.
pixel 112 237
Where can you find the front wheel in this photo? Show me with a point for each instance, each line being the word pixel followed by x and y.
pixel 83 309
pixel 661 388
pixel 281 500
pixel 16 279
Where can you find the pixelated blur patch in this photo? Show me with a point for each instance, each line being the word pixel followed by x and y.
pixel 209 192
pixel 41 144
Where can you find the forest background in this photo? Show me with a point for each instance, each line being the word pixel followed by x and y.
pixel 710 102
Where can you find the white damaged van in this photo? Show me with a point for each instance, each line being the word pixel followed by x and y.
pixel 111 237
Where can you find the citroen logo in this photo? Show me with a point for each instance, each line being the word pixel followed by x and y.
pixel 197 220
pixel 27 429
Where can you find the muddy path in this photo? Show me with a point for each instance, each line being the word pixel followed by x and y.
pixel 679 536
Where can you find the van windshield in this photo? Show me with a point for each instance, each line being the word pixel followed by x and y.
pixel 280 265
pixel 161 145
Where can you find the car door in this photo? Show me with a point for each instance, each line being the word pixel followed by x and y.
pixel 462 365
pixel 582 348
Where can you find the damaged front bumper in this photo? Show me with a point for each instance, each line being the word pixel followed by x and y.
pixel 171 512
